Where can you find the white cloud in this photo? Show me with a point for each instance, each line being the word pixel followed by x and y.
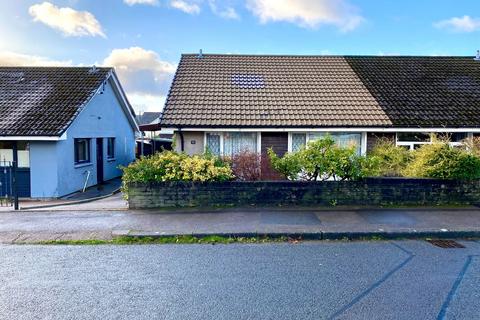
pixel 145 77
pixel 307 13
pixel 147 2
pixel 185 6
pixel 67 20
pixel 226 12
pixel 8 58
pixel 146 102
pixel 459 24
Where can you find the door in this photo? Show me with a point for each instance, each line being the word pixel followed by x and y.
pixel 99 160
pixel 278 141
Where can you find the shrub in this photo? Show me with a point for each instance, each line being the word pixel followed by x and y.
pixel 321 160
pixel 173 166
pixel 440 160
pixel 386 159
pixel 246 165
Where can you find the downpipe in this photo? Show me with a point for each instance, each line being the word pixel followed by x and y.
pixel 86 180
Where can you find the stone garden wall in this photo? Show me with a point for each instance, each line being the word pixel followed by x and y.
pixel 366 192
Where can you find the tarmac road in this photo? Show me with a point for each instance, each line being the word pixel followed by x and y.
pixel 310 280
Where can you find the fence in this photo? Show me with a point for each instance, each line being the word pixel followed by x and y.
pixel 6 183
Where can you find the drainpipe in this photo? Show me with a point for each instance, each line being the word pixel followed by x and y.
pixel 182 140
pixel 142 144
pixel 15 182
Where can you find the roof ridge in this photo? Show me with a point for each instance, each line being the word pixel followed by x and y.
pixel 321 56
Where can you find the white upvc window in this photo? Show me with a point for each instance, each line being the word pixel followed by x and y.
pixel 414 140
pixel 230 143
pixel 297 139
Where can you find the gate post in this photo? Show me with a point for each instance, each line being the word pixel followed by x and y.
pixel 14 180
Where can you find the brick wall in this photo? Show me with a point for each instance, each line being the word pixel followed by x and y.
pixel 368 192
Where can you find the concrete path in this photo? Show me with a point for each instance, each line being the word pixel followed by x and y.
pixel 80 200
pixel 28 226
pixel 312 280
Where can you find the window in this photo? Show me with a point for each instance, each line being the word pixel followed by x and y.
pixel 110 148
pixel 82 151
pixel 23 152
pixel 235 142
pixel 298 140
pixel 413 137
pixel 342 139
pixel 213 143
pixel 230 143
pixel 414 140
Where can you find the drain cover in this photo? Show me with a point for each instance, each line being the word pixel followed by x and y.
pixel 447 244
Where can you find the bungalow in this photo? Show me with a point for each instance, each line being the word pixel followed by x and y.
pixel 66 127
pixel 225 103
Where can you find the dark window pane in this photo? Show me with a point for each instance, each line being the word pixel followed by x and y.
pixel 413 137
pixel 111 148
pixel 458 136
pixel 82 150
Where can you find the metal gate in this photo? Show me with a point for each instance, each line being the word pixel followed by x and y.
pixel 6 183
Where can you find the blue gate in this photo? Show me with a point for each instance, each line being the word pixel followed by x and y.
pixel 6 183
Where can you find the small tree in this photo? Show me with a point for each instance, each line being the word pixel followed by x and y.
pixel 246 165
pixel 320 160
pixel 440 160
pixel 386 159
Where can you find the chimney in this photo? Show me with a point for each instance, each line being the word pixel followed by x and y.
pixel 200 54
pixel 477 58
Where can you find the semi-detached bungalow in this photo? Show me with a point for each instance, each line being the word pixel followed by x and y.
pixel 227 103
pixel 66 127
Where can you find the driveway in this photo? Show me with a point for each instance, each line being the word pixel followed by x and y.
pixel 314 280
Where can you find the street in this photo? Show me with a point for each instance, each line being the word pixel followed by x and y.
pixel 309 280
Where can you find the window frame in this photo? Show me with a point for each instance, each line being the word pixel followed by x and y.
pixel 362 146
pixel 112 145
pixel 221 134
pixel 88 150
pixel 411 144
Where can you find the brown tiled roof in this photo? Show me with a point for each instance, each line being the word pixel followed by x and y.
pixel 43 101
pixel 324 91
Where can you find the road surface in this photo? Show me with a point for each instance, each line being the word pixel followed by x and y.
pixel 310 280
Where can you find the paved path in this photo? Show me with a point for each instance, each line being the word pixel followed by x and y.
pixel 73 201
pixel 312 280
pixel 81 224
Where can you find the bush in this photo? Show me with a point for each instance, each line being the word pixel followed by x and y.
pixel 173 166
pixel 386 159
pixel 246 165
pixel 440 160
pixel 322 160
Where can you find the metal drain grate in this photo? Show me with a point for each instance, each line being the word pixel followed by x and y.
pixel 447 244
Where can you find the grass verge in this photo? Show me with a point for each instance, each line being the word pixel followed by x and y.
pixel 125 240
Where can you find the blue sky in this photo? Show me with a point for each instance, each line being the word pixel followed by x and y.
pixel 143 39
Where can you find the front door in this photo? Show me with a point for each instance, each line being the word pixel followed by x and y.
pixel 278 141
pixel 99 160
